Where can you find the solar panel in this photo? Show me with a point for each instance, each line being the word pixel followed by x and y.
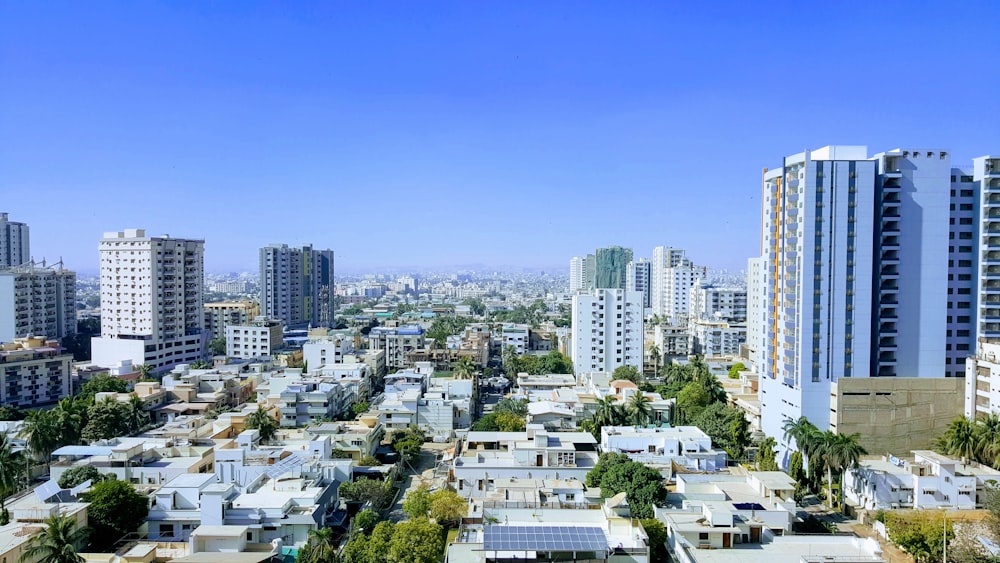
pixel 544 538
pixel 75 491
pixel 47 490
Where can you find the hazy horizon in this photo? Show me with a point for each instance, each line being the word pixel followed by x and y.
pixel 422 135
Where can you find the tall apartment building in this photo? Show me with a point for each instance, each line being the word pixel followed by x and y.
pixel 638 276
pixel 257 339
pixel 982 378
pixel 844 299
pixel 15 248
pixel 37 300
pixel 220 314
pixel 34 372
pixel 607 330
pixel 152 300
pixel 297 285
pixel 610 264
pixel 677 283
pixel 665 258
pixel 708 301
pixel 578 272
pixel 756 310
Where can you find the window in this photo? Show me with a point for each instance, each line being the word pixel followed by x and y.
pixel 702 535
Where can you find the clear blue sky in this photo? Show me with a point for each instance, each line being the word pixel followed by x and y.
pixel 427 133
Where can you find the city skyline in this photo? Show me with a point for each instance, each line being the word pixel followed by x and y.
pixel 478 131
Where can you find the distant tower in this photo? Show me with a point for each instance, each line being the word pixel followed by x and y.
pixel 14 243
pixel 297 285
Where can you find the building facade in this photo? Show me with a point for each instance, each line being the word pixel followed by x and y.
pixel 37 301
pixel 610 265
pixel 297 285
pixel 220 314
pixel 152 300
pixel 15 248
pixel 34 372
pixel 638 276
pixel 254 340
pixel 839 285
pixel 607 330
pixel 663 257
pixel 708 301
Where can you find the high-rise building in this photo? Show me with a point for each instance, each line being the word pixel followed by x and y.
pixel 711 302
pixel 677 283
pixel 607 330
pixel 756 310
pixel 152 299
pixel 610 266
pixel 14 243
pixel 844 299
pixel 220 314
pixel 982 376
pixel 297 285
pixel 37 300
pixel 578 273
pixel 638 277
pixel 35 372
pixel 664 257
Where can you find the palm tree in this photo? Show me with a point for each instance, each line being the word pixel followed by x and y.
pixel 59 542
pixel 321 547
pixel 843 451
pixel 654 351
pixel 609 412
pixel 42 431
pixel 262 421
pixel 639 409
pixel 137 415
pixel 464 369
pixel 11 469
pixel 805 435
pixel 960 439
pixel 988 440
pixel 71 416
pixel 144 371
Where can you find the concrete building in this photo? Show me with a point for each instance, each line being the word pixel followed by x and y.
pixel 34 372
pixel 578 278
pixel 982 381
pixel 254 340
pixel 321 351
pixel 673 341
pixel 297 285
pixel 610 267
pixel 663 448
pixel 152 308
pixel 140 460
pixel 220 314
pixel 37 300
pixel 708 301
pixel 678 281
pixel 664 257
pixel 756 310
pixel 833 220
pixel 713 339
pixel 638 277
pixel 607 330
pixel 301 399
pixel 532 454
pixel 397 342
pixel 356 438
pixel 516 337
pixel 15 244
pixel 928 480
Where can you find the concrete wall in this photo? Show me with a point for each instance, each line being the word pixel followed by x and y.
pixel 896 414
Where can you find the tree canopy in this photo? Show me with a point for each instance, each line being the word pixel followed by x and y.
pixel 628 373
pixel 77 475
pixel 116 509
pixel 643 486
pixel 416 541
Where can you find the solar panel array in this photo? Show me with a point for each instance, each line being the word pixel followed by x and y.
pixel 544 538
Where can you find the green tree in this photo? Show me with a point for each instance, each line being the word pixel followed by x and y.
pixel 806 437
pixel 12 413
pixel 408 443
pixel 477 306
pixel 371 548
pixel 102 383
pixel 517 407
pixel 922 533
pixel 361 407
pixel 42 432
pixel 367 491
pixel 58 542
pixel 417 502
pixel 73 477
pixel 464 369
pixel 263 422
pixel 734 372
pixel 960 439
pixel 115 510
pixel 509 422
pixel 766 455
pixel 554 362
pixel 137 418
pixel 841 452
pixel 657 356
pixel 107 419
pixel 657 534
pixel 691 400
pixel 643 486
pixel 416 541
pixel 320 547
pixel 71 417
pixel 739 433
pixel 145 371
pixel 217 346
pixel 366 520
pixel 627 373
pixel 639 410
pixel 486 423
pixel 447 507
pixel 11 472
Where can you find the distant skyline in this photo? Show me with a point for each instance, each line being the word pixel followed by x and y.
pixel 421 135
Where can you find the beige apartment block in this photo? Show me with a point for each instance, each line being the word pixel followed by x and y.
pixel 895 414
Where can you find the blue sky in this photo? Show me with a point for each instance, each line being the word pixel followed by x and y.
pixel 410 134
